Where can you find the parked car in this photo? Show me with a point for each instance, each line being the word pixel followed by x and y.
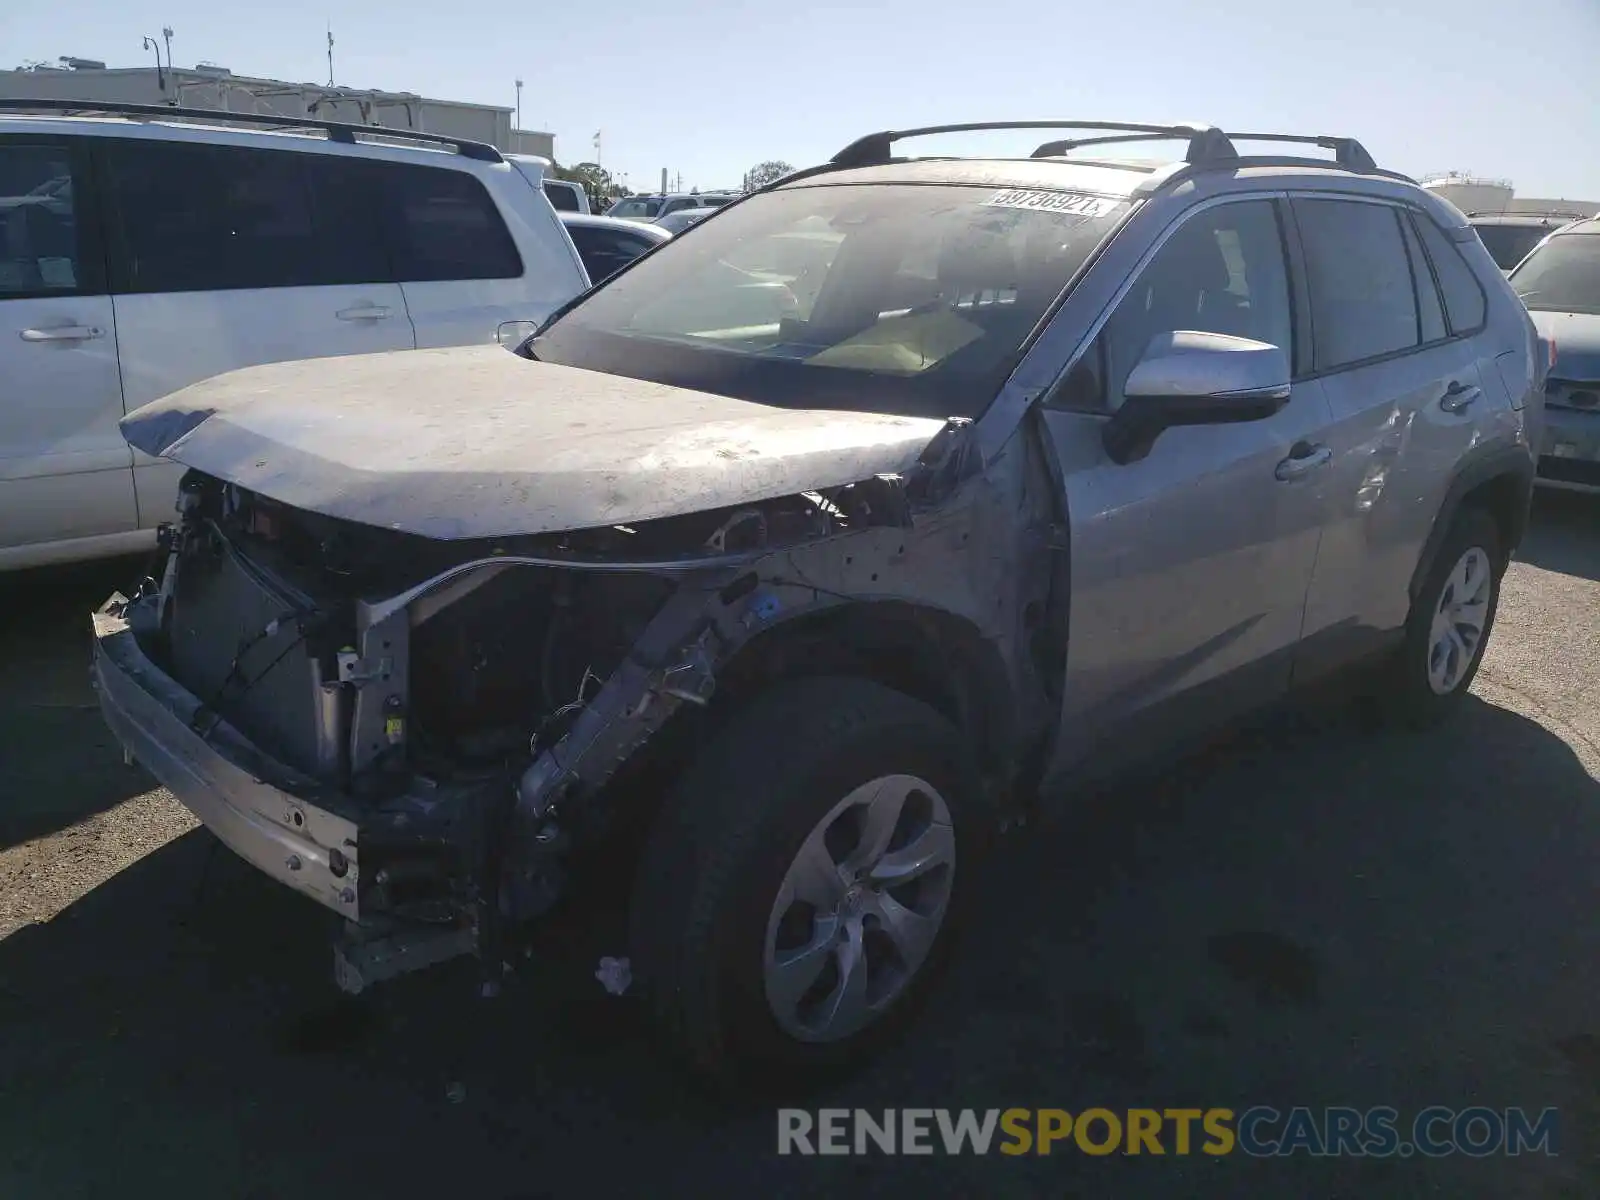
pixel 147 250
pixel 680 219
pixel 1509 236
pixel 653 208
pixel 1560 284
pixel 606 245
pixel 1064 464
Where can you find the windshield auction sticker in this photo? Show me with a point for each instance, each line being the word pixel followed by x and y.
pixel 1076 204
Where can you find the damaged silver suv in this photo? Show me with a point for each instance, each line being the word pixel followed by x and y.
pixel 820 544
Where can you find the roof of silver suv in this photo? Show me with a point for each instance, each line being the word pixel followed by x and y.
pixel 50 114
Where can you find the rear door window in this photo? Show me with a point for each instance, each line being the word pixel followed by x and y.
pixel 42 250
pixel 192 217
pixel 443 225
pixel 1362 303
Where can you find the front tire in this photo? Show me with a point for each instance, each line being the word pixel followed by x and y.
pixel 802 883
pixel 1449 626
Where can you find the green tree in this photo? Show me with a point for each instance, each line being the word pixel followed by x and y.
pixel 592 177
pixel 762 174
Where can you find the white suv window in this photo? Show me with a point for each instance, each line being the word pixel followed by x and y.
pixel 38 231
pixel 443 225
pixel 196 217
pixel 192 217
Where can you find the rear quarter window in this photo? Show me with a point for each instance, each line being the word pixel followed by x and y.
pixel 443 225
pixel 1465 305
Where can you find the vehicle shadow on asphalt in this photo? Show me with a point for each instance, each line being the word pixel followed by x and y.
pixel 1306 915
pixel 1563 534
pixel 58 761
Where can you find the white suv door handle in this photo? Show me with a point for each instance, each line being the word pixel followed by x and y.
pixel 1458 395
pixel 364 312
pixel 63 333
pixel 1303 459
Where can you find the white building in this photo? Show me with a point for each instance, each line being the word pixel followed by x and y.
pixel 1474 195
pixel 211 86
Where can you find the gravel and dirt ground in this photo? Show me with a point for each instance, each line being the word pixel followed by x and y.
pixel 1310 915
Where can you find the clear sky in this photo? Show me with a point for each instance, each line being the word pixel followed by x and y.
pixel 711 87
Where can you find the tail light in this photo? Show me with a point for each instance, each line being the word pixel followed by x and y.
pixel 1548 363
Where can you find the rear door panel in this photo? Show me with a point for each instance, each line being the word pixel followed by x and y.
pixel 1402 422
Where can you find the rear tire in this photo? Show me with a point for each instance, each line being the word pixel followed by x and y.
pixel 1449 626
pixel 737 897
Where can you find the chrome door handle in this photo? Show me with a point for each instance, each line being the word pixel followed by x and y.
pixel 63 333
pixel 1303 459
pixel 1458 395
pixel 364 312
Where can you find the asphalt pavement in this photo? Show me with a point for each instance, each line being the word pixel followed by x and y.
pixel 1311 914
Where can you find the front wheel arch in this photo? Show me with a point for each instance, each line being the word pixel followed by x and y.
pixel 923 652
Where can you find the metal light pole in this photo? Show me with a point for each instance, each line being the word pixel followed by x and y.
pixel 161 74
pixel 519 104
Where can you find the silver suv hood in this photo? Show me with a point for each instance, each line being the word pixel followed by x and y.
pixel 477 442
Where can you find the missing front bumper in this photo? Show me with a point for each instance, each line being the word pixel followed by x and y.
pixel 285 828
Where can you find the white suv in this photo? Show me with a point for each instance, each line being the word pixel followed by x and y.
pixel 144 251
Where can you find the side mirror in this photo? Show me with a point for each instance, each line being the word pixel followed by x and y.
pixel 1190 378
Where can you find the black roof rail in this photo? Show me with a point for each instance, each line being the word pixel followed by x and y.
pixel 337 131
pixel 1215 147
pixel 1347 152
pixel 876 148
pixel 1208 145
